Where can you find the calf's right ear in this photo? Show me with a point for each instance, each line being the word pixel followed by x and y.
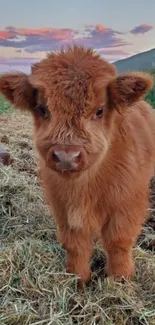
pixel 16 88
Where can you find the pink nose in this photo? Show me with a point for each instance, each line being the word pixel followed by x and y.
pixel 66 160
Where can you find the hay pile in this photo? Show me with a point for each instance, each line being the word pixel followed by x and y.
pixel 34 288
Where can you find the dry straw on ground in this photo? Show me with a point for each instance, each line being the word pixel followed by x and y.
pixel 34 287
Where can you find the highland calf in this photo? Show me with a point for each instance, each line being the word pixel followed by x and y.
pixel 95 136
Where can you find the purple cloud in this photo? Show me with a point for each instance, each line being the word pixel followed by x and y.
pixel 17 61
pixel 141 29
pixel 113 51
pixel 47 39
pixel 108 42
pixel 100 36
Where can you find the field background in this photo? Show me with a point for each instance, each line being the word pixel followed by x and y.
pixel 34 287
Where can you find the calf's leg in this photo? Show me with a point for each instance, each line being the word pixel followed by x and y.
pixel 79 250
pixel 119 235
pixel 119 261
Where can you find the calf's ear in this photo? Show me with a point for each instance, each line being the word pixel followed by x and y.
pixel 16 88
pixel 128 88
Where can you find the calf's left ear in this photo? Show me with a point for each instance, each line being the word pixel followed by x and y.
pixel 128 88
pixel 16 88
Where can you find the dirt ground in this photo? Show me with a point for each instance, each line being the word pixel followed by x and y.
pixel 34 286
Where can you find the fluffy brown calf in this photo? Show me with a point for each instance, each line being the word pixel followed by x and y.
pixel 96 141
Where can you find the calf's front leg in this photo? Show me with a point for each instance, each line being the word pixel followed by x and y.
pixel 119 235
pixel 119 261
pixel 79 250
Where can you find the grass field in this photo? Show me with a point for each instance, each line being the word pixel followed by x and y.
pixel 34 287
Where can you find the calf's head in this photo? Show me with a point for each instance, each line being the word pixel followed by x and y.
pixel 74 97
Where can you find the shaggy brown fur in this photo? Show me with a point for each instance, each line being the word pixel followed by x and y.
pixel 96 141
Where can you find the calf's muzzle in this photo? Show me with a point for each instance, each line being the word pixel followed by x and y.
pixel 66 158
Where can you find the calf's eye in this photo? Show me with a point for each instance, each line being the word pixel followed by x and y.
pixel 99 112
pixel 42 111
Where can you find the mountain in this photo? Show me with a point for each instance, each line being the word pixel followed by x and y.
pixel 141 61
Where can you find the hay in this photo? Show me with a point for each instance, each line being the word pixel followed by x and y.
pixel 34 286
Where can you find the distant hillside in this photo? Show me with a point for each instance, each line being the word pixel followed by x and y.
pixel 141 61
pixel 150 97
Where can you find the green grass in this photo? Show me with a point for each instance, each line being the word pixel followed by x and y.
pixel 5 106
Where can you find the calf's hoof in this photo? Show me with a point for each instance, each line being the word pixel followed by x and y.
pixel 82 283
pixel 127 273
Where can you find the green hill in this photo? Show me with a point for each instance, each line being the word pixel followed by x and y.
pixel 141 61
pixel 150 97
pixel 144 61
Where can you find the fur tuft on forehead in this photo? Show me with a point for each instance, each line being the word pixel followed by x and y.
pixel 73 60
pixel 71 77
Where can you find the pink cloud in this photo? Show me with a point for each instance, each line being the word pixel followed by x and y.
pixel 4 35
pixel 101 28
pixel 59 34
pixel 109 42
pixel 141 29
pixel 46 39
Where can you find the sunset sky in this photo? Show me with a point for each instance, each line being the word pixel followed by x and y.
pixel 115 28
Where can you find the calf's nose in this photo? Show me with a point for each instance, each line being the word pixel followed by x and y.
pixel 66 160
